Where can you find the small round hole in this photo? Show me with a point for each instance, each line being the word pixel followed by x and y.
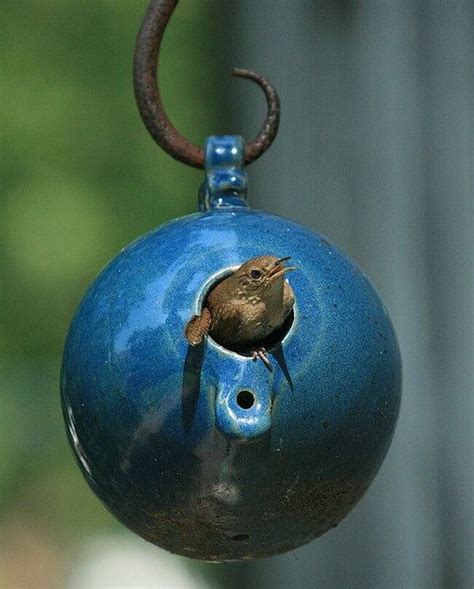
pixel 245 399
pixel 240 537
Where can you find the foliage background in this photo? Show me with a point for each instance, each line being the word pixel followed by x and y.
pixel 80 178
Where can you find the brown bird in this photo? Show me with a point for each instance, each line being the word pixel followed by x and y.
pixel 246 307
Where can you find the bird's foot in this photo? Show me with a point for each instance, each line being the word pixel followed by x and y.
pixel 262 354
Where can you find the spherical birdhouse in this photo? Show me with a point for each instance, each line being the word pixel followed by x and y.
pixel 204 449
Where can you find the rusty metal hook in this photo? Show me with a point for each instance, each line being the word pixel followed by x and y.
pixel 148 97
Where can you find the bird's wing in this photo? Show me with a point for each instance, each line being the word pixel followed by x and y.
pixel 198 327
pixel 227 324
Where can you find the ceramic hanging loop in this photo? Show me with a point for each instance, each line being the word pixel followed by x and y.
pixel 149 101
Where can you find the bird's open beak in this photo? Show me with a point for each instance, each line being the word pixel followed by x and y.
pixel 278 268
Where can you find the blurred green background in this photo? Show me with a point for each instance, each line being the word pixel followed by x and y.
pixel 80 178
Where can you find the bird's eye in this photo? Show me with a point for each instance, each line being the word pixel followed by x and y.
pixel 256 274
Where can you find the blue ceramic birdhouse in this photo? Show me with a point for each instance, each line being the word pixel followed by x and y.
pixel 216 416
pixel 201 449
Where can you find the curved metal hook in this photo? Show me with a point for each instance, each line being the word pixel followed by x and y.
pixel 149 102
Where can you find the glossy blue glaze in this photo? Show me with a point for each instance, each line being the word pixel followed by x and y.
pixel 225 184
pixel 155 423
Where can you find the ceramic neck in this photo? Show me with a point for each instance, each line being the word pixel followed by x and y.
pixel 225 182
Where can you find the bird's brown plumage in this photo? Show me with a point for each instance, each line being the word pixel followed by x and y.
pixel 247 306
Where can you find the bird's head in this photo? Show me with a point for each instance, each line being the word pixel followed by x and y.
pixel 261 275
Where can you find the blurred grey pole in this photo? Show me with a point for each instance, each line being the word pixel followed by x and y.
pixel 375 152
pixel 446 47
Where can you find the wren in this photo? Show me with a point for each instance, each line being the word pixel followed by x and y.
pixel 246 307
